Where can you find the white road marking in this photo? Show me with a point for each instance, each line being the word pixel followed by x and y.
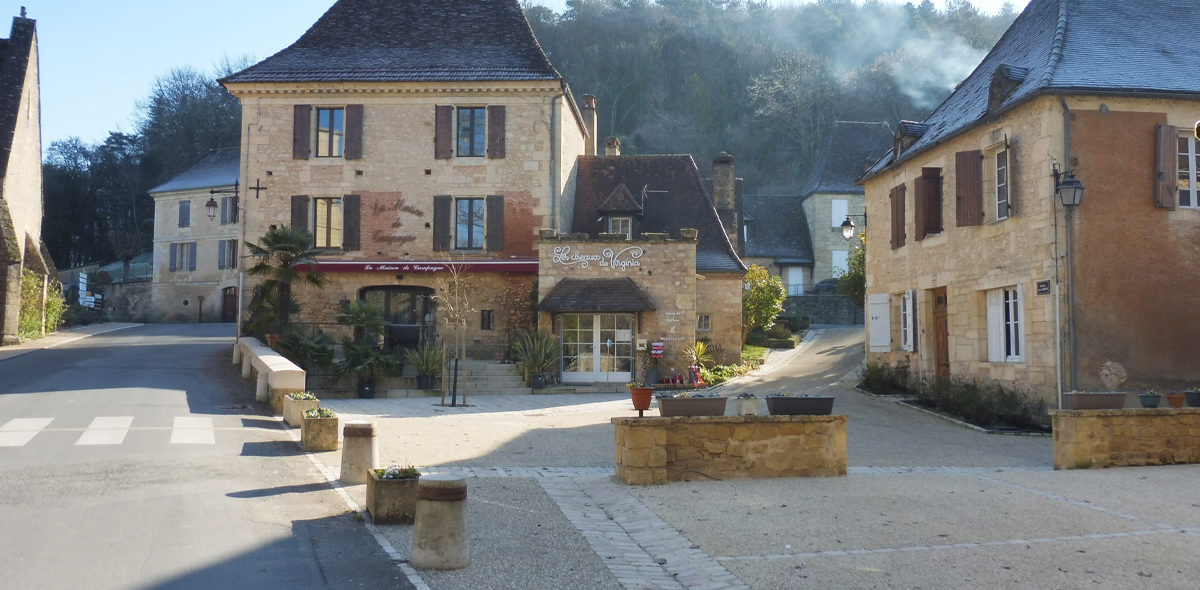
pixel 193 430
pixel 18 431
pixel 106 430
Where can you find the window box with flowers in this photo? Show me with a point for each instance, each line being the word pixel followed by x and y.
pixel 392 494
pixel 319 430
pixel 786 404
pixel 690 403
pixel 294 406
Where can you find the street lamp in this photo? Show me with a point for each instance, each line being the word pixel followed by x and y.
pixel 212 207
pixel 1068 189
pixel 1070 192
pixel 848 225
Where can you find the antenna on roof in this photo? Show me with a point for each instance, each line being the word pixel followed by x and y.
pixel 646 189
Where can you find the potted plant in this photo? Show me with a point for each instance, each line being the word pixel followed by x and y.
pixel 426 359
pixel 1193 397
pixel 294 406
pixel 641 394
pixel 746 404
pixel 698 356
pixel 1150 399
pixel 368 364
pixel 1175 399
pixel 786 404
pixel 392 494
pixel 536 353
pixel 689 403
pixel 319 430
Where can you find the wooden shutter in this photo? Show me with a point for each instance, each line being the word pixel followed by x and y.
pixel 354 132
pixel 443 212
pixel 995 325
pixel 879 322
pixel 897 199
pixel 302 131
pixel 192 256
pixel 1005 211
pixel 928 216
pixel 185 208
pixel 968 186
pixel 224 210
pixel 1166 163
pixel 443 132
pixel 494 235
pixel 221 246
pixel 300 211
pixel 920 204
pixel 174 264
pixel 495 132
pixel 351 222
pixel 908 329
pixel 234 250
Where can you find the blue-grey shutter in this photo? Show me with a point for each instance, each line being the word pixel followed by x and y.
pixel 192 256
pixel 185 208
pixel 224 210
pixel 174 265
pixel 221 254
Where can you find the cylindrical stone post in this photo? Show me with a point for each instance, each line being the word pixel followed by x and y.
pixel 440 531
pixel 360 451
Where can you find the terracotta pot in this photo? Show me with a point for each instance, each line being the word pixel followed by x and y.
pixel 642 396
pixel 1175 400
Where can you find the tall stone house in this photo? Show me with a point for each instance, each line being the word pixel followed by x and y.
pixel 977 270
pixel 196 258
pixel 427 144
pixel 21 246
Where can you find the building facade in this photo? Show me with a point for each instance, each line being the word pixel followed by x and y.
pixel 976 269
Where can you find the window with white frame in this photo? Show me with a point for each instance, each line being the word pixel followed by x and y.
pixel 1189 161
pixel 621 225
pixel 1002 185
pixel 1006 325
pixel 703 322
pixel 227 254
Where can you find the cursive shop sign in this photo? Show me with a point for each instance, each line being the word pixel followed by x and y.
pixel 608 257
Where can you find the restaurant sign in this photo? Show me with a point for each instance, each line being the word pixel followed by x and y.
pixel 608 257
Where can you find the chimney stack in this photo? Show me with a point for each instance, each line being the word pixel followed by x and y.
pixel 724 185
pixel 612 147
pixel 589 121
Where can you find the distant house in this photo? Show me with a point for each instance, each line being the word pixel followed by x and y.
pixel 21 246
pixel 196 259
pixel 976 269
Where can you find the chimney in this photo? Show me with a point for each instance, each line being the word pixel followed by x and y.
pixel 589 121
pixel 724 192
pixel 612 147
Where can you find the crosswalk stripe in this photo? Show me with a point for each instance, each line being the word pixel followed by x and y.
pixel 18 431
pixel 106 430
pixel 193 430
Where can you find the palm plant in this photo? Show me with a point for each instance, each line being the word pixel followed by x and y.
pixel 698 355
pixel 364 320
pixel 283 249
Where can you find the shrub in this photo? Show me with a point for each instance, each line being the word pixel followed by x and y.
pixel 536 352
pixel 29 323
pixel 886 379
pixel 799 323
pixel 990 405
pixel 753 355
pixel 723 373
pixel 308 347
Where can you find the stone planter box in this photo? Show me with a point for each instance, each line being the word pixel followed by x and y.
pixel 319 434
pixel 1087 400
pixel 1085 439
pixel 392 501
pixel 818 405
pixel 691 406
pixel 293 410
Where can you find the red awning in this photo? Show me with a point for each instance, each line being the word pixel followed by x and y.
pixel 519 265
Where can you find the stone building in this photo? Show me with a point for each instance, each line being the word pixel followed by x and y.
pixel 976 269
pixel 21 246
pixel 197 257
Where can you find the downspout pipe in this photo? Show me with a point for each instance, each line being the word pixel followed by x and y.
pixel 1071 340
pixel 554 156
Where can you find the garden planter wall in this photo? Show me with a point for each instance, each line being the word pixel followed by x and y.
pixel 392 501
pixel 319 434
pixel 1085 439
pixel 691 406
pixel 820 405
pixel 293 410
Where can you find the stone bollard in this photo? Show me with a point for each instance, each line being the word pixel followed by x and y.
pixel 440 530
pixel 360 451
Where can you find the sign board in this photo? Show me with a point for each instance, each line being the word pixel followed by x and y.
pixel 1043 287
pixel 622 259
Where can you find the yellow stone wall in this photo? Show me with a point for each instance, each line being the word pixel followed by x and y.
pixel 1085 439
pixel 826 235
pixel 661 450
pixel 171 289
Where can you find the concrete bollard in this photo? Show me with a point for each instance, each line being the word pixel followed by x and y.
pixel 360 451
pixel 440 531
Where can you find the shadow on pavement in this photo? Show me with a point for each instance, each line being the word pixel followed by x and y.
pixel 280 490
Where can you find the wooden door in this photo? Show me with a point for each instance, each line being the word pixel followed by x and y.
pixel 229 305
pixel 941 334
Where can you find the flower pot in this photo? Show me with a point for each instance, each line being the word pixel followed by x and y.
pixel 642 396
pixel 691 406
pixel 425 381
pixel 392 501
pixel 1193 398
pixel 1175 400
pixel 293 410
pixel 1149 400
pixel 746 406
pixel 366 390
pixel 319 434
pixel 1080 400
pixel 813 405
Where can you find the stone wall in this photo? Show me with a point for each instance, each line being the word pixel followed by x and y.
pixel 824 309
pixel 660 450
pixel 1085 439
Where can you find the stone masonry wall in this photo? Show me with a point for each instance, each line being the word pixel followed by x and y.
pixel 660 450
pixel 1085 439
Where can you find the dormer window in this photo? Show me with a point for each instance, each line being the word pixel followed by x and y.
pixel 621 225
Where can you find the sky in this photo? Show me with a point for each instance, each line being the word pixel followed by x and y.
pixel 98 60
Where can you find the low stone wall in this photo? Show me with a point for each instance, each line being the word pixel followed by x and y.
pixel 659 450
pixel 824 309
pixel 1085 439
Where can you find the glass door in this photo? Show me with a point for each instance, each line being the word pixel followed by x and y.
pixel 597 347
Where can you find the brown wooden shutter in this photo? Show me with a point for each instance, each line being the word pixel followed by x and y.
pixel 928 214
pixel 968 186
pixel 354 131
pixel 1012 181
pixel 494 240
pixel 1166 166
pixel 300 211
pixel 351 222
pixel 443 212
pixel 443 132
pixel 897 199
pixel 920 203
pixel 302 139
pixel 495 123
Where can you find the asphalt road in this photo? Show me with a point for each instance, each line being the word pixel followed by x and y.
pixel 138 459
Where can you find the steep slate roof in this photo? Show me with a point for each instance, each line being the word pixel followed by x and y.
pixel 14 63
pixel 684 204
pixel 219 168
pixel 1118 47
pixel 851 147
pixel 410 41
pixel 777 228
